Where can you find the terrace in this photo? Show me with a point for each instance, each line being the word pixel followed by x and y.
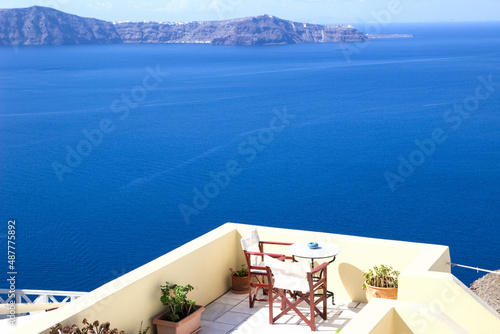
pixel 430 298
pixel 231 314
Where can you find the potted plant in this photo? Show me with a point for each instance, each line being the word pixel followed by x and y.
pixel 239 280
pixel 381 282
pixel 182 315
pixel 89 327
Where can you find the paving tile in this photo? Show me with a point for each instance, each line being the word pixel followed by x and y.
pixel 361 305
pixel 340 322
pixel 209 327
pixel 289 319
pixel 350 313
pixel 215 310
pixel 231 299
pixel 232 318
pixel 255 323
pixel 233 315
pixel 334 312
pixel 239 296
pixel 243 307
pixel 353 304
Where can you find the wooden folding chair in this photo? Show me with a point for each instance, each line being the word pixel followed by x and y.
pixel 297 279
pixel 253 248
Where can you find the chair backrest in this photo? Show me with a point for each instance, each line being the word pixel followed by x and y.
pixel 289 275
pixel 250 243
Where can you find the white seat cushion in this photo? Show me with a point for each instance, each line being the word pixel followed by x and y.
pixel 289 275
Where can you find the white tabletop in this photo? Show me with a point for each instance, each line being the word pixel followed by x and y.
pixel 324 250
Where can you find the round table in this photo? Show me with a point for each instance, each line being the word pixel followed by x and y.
pixel 323 251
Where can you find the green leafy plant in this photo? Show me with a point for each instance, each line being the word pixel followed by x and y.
pixel 243 272
pixel 381 276
pixel 174 297
pixel 94 328
pixel 338 330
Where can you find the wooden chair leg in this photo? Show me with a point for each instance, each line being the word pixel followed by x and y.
pixel 312 314
pixel 288 305
pixel 271 299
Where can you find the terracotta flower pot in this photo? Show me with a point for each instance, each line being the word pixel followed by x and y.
pixel 239 284
pixel 188 325
pixel 376 292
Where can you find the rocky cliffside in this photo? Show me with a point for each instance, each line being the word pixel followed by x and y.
pixel 487 288
pixel 260 30
pixel 46 26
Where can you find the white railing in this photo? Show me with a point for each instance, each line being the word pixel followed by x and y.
pixel 34 300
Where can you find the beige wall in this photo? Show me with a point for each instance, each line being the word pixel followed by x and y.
pixel 430 300
pixel 383 316
pixel 448 298
pixel 134 297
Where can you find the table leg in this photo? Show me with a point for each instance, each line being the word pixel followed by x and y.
pixel 328 292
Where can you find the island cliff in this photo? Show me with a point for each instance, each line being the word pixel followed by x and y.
pixel 46 26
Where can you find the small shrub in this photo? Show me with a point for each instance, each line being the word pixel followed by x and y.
pixel 243 272
pixel 381 277
pixel 174 297
pixel 94 328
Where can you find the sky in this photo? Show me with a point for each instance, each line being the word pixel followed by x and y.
pixel 312 11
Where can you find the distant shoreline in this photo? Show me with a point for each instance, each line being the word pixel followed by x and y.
pixel 373 36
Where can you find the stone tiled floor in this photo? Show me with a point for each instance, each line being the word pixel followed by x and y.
pixel 231 314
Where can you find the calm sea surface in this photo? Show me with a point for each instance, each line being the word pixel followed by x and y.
pixel 105 150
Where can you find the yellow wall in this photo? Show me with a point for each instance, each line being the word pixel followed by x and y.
pixel 449 298
pixel 383 316
pixel 375 318
pixel 135 297
pixel 430 300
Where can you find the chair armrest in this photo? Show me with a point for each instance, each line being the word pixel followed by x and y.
pixel 278 256
pixel 320 267
pixel 276 243
pixel 279 243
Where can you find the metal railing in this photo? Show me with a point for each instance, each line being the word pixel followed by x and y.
pixel 474 268
pixel 34 300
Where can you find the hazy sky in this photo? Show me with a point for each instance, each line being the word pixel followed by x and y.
pixel 313 11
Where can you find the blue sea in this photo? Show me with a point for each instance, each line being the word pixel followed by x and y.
pixel 113 155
